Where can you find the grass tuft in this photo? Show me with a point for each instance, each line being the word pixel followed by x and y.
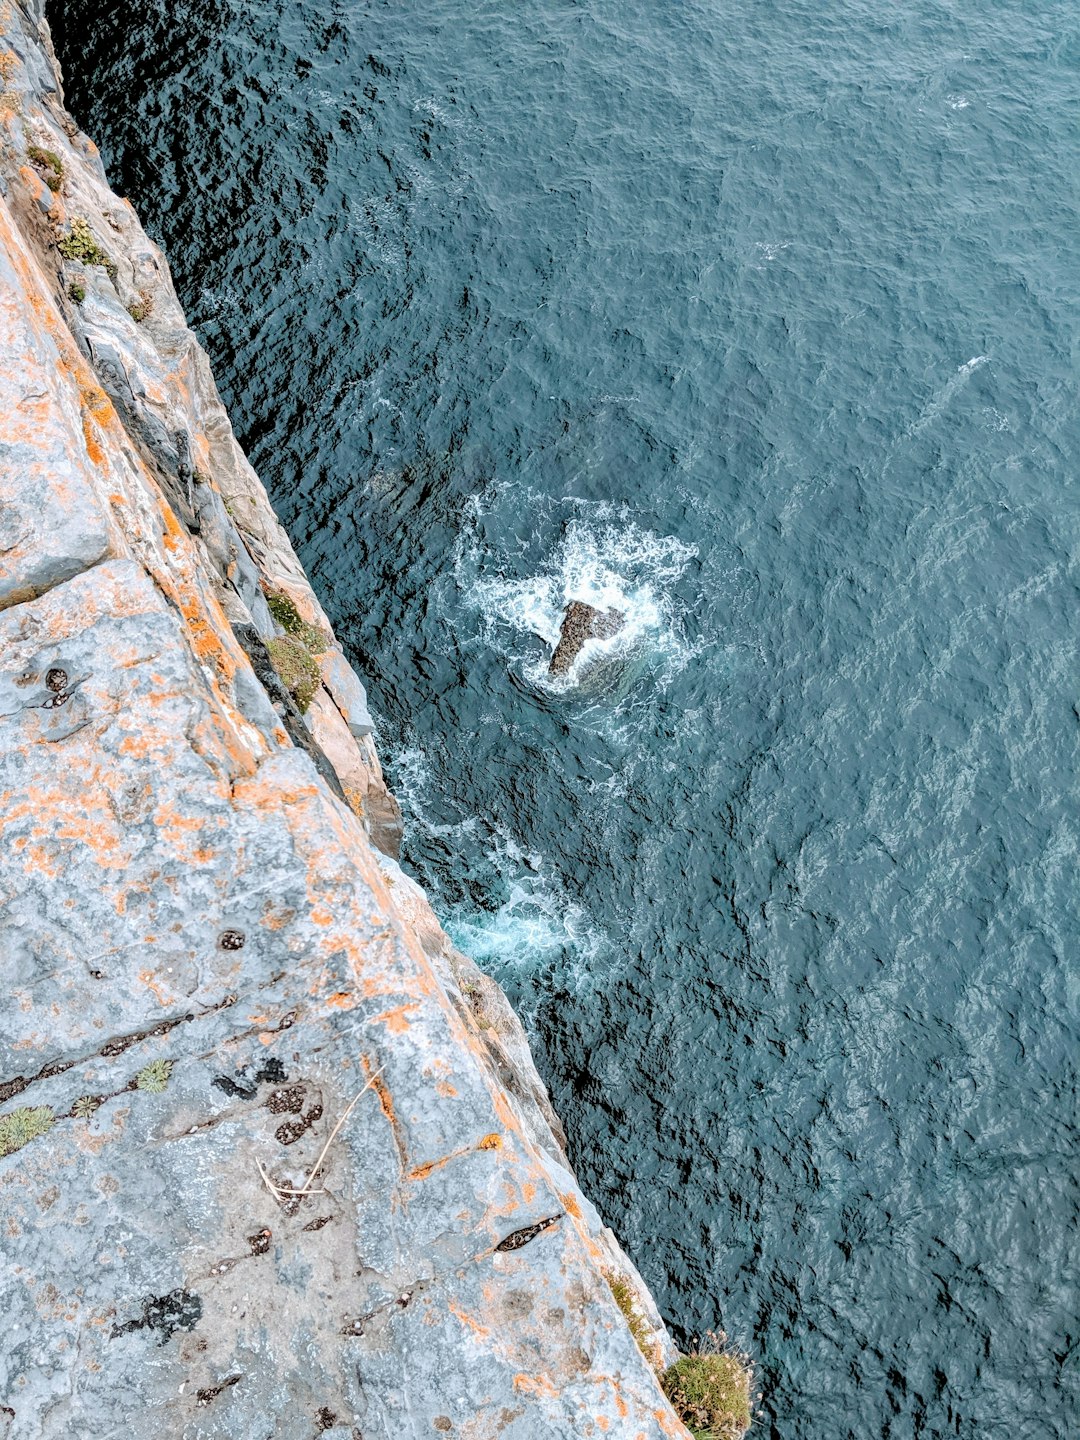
pixel 626 1299
pixel 709 1390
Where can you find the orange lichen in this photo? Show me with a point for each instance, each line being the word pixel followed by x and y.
pixel 480 1331
pixel 490 1142
pixel 94 452
pixel 542 1386
pixel 397 1020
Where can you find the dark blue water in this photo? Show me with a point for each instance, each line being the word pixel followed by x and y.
pixel 759 321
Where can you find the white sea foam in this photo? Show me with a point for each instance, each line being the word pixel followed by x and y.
pixel 607 562
pixel 536 924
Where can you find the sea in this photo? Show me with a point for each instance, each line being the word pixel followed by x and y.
pixel 757 322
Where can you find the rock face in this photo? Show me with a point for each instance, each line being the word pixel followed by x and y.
pixel 580 623
pixel 274 1157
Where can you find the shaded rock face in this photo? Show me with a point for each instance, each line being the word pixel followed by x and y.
pixel 580 623
pixel 274 1157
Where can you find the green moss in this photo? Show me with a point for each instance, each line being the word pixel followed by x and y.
pixel 50 165
pixel 154 1077
pixel 77 291
pixel 298 671
pixel 710 1392
pixel 79 244
pixel 283 609
pixel 625 1298
pixel 19 1127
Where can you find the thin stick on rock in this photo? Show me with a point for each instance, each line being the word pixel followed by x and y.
pixel 279 1190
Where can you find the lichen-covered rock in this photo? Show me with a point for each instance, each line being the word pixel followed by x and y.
pixel 274 1157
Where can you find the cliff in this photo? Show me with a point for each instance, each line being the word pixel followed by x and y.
pixel 274 1157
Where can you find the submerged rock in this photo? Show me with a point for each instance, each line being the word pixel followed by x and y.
pixel 580 623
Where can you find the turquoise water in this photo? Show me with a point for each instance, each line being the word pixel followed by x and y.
pixel 758 321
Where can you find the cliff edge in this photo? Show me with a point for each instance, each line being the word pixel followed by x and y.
pixel 274 1157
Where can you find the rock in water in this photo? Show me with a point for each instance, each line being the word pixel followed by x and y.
pixel 580 623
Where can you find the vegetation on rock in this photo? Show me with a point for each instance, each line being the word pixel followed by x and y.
pixel 709 1390
pixel 296 668
pixel 627 1301
pixel 154 1077
pixel 79 244
pixel 19 1127
pixel 77 291
pixel 50 165
pixel 283 609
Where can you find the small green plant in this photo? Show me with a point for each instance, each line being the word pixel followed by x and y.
pixel 298 671
pixel 283 609
pixel 50 165
pixel 154 1077
pixel 625 1298
pixel 709 1390
pixel 77 291
pixel 85 1106
pixel 138 311
pixel 79 244
pixel 19 1127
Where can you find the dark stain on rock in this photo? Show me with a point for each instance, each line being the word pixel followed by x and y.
pixel 290 1101
pixel 325 1419
pixel 178 1310
pixel 238 1087
pixel 318 1223
pixel 204 1397
pixel 259 1243
pixel 517 1238
pixel 231 940
pixel 292 1130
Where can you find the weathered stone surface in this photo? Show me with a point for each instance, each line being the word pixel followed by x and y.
pixel 219 992
pixel 347 692
pixel 53 521
pixel 580 623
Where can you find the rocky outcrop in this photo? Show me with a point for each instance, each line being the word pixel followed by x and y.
pixel 582 622
pixel 274 1157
